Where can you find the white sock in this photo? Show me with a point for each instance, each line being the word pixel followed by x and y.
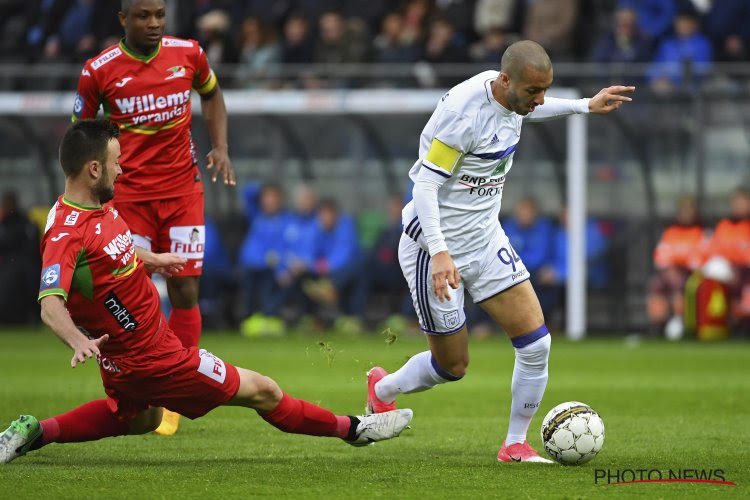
pixel 416 375
pixel 529 382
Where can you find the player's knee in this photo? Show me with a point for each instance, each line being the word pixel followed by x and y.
pixel 451 370
pixel 183 291
pixel 458 369
pixel 256 391
pixel 532 350
pixel 268 392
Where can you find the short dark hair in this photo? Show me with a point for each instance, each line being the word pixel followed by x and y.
pixel 329 204
pixel 126 4
pixel 85 141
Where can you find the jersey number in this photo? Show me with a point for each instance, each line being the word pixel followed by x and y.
pixel 99 228
pixel 508 257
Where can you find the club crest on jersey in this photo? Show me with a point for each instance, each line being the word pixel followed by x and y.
pixel 176 72
pixel 50 277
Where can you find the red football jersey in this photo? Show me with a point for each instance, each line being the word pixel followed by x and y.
pixel 149 98
pixel 88 258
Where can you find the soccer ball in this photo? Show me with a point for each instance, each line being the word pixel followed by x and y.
pixel 572 433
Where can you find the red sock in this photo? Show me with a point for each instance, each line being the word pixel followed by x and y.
pixel 300 417
pixel 186 324
pixel 88 422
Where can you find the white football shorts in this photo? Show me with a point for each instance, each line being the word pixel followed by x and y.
pixel 484 273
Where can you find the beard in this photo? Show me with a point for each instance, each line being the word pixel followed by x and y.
pixel 103 190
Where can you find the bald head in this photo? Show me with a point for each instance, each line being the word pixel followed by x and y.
pixel 524 55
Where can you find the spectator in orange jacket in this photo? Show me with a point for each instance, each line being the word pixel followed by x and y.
pixel 678 252
pixel 731 240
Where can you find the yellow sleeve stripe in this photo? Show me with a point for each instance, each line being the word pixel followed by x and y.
pixel 443 156
pixel 209 85
pixel 53 291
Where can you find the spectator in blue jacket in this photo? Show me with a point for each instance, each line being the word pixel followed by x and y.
pixel 552 277
pixel 260 260
pixel 624 42
pixel 529 234
pixel 688 48
pixel 299 236
pixel 336 260
pixel 654 16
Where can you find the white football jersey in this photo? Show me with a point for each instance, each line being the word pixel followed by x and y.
pixel 468 144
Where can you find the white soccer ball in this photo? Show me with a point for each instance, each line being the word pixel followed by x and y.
pixel 572 433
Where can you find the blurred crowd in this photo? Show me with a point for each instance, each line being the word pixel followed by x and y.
pixel 256 35
pixel 309 265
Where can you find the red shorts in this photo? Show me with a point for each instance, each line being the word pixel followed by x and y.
pixel 190 381
pixel 171 225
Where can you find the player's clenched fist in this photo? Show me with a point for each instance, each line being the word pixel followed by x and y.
pixel 444 271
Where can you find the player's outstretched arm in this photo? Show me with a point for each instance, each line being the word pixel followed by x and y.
pixel 609 99
pixel 166 264
pixel 215 113
pixel 56 316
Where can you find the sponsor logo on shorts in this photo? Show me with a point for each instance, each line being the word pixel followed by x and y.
pixel 519 274
pixel 50 277
pixel 120 312
pixel 212 367
pixel 107 364
pixel 188 241
pixel 451 319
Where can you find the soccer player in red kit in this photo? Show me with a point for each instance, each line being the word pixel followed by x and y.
pixel 96 296
pixel 144 84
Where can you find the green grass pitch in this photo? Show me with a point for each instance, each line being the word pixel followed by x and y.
pixel 665 406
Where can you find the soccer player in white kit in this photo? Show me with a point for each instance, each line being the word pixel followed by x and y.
pixel 452 236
